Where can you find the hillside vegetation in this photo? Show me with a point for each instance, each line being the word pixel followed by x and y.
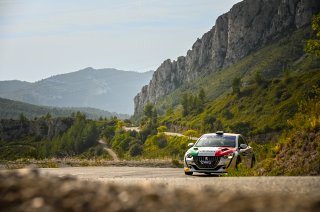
pixel 48 137
pixel 273 81
pixel 271 96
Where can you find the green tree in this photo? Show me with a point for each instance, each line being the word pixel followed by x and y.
pixel 135 150
pixel 82 135
pixel 80 116
pixel 191 133
pixel 193 104
pixel 108 132
pixel 120 125
pixel 202 96
pixel 154 118
pixel 198 102
pixel 150 123
pixel 313 45
pixel 162 129
pixel 236 84
pixel 258 78
pixel 22 118
pixel 186 105
pixel 208 122
pixel 148 110
pixel 48 116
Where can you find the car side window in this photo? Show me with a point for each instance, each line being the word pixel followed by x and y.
pixel 245 141
pixel 241 141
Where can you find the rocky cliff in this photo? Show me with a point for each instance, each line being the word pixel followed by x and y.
pixel 248 26
pixel 11 130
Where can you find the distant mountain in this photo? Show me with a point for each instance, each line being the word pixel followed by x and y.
pixel 10 109
pixel 13 85
pixel 106 89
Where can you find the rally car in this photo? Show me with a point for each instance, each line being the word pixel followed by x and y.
pixel 216 152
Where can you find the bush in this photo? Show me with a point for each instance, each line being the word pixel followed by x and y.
pixel 191 133
pixel 175 147
pixel 242 127
pixel 135 150
pixel 161 140
pixel 175 163
pixel 162 129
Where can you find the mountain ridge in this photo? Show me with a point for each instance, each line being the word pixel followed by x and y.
pixel 106 89
pixel 10 109
pixel 247 27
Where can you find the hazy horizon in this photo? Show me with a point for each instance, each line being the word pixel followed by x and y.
pixel 40 39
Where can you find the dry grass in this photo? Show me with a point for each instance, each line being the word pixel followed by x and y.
pixel 75 162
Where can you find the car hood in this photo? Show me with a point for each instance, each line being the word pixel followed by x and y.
pixel 211 151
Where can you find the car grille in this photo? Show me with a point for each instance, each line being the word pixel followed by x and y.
pixel 206 162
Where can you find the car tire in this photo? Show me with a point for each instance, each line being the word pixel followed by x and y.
pixel 188 173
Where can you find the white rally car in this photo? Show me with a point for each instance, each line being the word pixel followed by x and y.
pixel 216 152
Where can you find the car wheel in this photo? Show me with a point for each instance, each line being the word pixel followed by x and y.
pixel 253 162
pixel 188 173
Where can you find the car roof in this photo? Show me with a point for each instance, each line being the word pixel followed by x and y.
pixel 232 134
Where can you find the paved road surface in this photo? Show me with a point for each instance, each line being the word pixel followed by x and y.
pixel 180 135
pixel 167 133
pixel 175 178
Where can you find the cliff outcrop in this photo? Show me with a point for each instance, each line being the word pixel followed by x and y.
pixel 11 130
pixel 247 27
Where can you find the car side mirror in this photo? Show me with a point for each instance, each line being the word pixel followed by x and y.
pixel 243 146
pixel 190 145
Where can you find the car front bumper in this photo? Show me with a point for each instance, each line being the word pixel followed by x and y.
pixel 224 163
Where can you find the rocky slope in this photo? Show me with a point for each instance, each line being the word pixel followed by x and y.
pixel 247 27
pixel 106 89
pixel 300 155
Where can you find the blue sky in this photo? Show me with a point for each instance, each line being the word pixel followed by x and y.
pixel 41 38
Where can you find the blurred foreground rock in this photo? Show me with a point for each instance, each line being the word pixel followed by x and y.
pixel 27 190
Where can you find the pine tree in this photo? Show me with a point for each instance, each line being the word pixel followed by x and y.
pixel 313 46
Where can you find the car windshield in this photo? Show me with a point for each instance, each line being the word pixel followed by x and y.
pixel 216 141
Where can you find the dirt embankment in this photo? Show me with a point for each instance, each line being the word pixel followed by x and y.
pixel 27 190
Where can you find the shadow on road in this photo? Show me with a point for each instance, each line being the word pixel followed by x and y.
pixel 206 175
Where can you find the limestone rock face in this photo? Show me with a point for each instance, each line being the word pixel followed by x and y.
pixel 11 130
pixel 248 26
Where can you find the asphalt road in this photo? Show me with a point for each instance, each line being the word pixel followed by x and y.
pixel 175 178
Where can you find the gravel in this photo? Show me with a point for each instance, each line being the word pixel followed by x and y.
pixel 29 190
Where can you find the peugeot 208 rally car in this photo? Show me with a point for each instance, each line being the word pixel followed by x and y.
pixel 216 152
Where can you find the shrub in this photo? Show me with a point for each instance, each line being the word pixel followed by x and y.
pixel 135 150
pixel 176 163
pixel 162 129
pixel 191 133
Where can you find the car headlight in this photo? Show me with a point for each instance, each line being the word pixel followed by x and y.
pixel 230 155
pixel 189 155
